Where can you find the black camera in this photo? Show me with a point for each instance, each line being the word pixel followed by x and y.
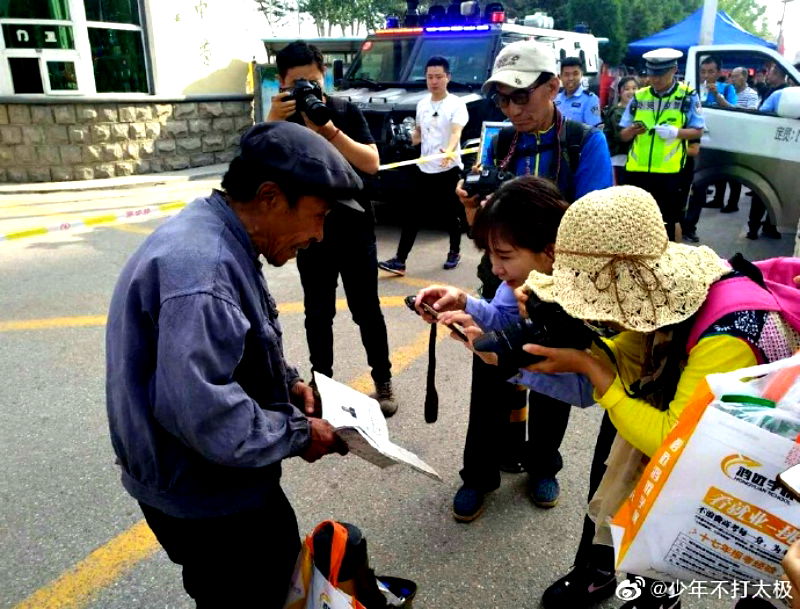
pixel 486 182
pixel 547 325
pixel 308 96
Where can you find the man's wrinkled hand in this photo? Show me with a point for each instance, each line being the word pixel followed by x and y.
pixel 306 399
pixel 324 440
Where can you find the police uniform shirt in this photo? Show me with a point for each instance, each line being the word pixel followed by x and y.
pixel 582 106
pixel 694 118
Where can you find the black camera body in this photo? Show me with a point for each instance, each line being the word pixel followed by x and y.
pixel 308 96
pixel 547 325
pixel 486 182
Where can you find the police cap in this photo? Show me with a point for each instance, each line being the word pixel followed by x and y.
pixel 659 61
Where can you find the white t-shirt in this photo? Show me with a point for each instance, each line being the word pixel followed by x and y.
pixel 435 130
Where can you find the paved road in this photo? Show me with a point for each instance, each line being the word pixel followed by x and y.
pixel 71 537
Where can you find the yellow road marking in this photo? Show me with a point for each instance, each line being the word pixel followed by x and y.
pixel 99 220
pixel 26 233
pixel 401 358
pixel 53 322
pixel 77 586
pixel 100 320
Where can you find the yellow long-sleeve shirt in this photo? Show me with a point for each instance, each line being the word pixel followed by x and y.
pixel 643 425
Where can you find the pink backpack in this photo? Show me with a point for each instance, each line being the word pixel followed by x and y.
pixel 768 286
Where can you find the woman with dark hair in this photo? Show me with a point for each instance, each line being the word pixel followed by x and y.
pixel 517 227
pixel 612 114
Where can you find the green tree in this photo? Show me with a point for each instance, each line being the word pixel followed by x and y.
pixel 274 12
pixel 750 14
pixel 604 20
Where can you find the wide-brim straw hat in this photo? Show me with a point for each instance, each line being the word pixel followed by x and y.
pixel 615 263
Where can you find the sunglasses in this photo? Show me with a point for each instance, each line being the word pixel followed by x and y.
pixel 520 97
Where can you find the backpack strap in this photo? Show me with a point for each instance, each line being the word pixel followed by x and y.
pixel 572 137
pixel 767 285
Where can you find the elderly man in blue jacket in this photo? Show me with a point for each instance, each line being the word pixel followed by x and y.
pixel 202 406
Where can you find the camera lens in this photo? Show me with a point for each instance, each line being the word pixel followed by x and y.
pixel 316 111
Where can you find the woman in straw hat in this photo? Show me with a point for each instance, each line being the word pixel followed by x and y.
pixel 615 266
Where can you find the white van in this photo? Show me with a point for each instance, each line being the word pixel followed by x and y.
pixel 762 151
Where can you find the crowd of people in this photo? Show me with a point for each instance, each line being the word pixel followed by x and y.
pixel 203 406
pixel 729 89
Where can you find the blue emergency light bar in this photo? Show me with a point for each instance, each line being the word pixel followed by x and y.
pixel 457 28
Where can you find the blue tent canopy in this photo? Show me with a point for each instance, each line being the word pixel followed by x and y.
pixel 687 33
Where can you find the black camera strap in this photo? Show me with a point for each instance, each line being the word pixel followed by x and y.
pixel 431 395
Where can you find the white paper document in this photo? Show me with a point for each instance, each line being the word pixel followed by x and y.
pixel 359 422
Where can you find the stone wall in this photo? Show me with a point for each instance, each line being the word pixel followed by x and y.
pixel 44 142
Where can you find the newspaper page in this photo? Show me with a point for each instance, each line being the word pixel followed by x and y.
pixel 359 422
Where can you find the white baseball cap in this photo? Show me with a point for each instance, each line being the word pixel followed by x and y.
pixel 519 64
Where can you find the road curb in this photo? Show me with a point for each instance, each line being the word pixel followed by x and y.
pixel 151 179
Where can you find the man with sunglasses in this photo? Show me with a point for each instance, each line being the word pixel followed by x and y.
pixel 538 141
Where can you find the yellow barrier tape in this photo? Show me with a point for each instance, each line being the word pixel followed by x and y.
pixel 425 159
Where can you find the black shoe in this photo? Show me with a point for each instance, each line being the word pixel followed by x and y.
pixel 691 237
pixel 752 235
pixel 712 205
pixel 468 504
pixel 729 209
pixel 580 588
pixel 384 393
pixel 771 232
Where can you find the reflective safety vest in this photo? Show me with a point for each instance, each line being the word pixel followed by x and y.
pixel 649 152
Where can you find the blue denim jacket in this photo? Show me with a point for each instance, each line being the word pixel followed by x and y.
pixel 197 387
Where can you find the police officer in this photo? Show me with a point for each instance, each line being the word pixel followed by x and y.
pixel 573 101
pixel 660 119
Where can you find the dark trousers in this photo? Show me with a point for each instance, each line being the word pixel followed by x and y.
pixel 242 560
pixel 491 402
pixel 434 195
pixel 758 215
pixel 347 249
pixel 736 193
pixel 598 556
pixel 666 189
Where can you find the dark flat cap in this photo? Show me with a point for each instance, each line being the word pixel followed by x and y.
pixel 305 161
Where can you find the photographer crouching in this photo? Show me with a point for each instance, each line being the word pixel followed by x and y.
pixel 349 248
pixel 574 157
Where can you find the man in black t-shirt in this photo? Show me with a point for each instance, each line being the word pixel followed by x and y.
pixel 348 247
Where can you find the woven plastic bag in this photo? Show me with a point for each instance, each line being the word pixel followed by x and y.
pixel 310 589
pixel 708 505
